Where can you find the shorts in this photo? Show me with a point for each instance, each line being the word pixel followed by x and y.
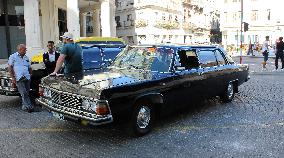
pixel 265 57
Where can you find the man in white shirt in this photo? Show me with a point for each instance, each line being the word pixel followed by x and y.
pixel 265 51
pixel 50 57
pixel 20 71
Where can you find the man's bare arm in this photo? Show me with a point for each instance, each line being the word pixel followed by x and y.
pixel 11 71
pixel 59 63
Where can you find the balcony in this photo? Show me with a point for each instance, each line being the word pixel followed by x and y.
pixel 169 25
pixel 188 26
pixel 140 23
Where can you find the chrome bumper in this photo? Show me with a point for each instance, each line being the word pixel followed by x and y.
pixel 74 114
pixel 8 91
pixel 5 86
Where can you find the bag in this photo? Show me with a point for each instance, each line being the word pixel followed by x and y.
pixel 264 53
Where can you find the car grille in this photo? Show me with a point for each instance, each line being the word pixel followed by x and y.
pixel 66 100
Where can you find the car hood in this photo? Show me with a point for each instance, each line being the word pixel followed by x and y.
pixel 93 83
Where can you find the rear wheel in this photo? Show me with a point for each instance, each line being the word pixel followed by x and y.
pixel 142 119
pixel 229 93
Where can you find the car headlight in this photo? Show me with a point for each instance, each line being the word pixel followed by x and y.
pixel 99 107
pixel 7 83
pixel 2 82
pixel 47 93
pixel 86 104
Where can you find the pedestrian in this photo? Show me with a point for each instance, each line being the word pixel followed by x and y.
pixel 279 52
pixel 265 51
pixel 50 57
pixel 250 51
pixel 20 71
pixel 71 55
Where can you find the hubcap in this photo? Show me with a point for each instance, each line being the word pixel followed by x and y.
pixel 143 117
pixel 230 90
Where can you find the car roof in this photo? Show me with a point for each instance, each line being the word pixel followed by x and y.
pixel 177 46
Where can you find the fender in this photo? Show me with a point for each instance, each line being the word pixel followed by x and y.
pixel 155 98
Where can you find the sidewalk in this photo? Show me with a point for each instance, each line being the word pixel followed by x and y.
pixel 256 54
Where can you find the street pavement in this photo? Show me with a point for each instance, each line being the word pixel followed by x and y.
pixel 251 125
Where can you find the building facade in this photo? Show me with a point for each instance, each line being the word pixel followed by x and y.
pixel 155 21
pixel 35 22
pixel 264 19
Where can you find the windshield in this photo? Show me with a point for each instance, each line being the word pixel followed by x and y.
pixel 146 58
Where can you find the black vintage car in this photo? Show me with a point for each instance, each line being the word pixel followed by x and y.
pixel 144 81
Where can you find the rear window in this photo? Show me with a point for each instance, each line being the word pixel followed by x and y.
pixel 207 58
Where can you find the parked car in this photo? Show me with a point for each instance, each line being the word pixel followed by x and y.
pixel 98 53
pixel 142 82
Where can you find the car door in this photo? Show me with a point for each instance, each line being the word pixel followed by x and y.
pixel 187 77
pixel 209 66
pixel 221 72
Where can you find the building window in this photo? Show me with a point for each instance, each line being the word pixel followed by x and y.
pixel 226 16
pixel 117 20
pixel 254 15
pixel 62 21
pixel 234 16
pixel 268 14
pixel 163 16
pixel 89 23
pixel 129 17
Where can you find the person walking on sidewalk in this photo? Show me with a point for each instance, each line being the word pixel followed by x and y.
pixel 20 71
pixel 265 51
pixel 279 52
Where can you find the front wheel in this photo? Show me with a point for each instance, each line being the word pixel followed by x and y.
pixel 229 93
pixel 142 119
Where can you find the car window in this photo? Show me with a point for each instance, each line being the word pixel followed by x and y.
pixel 228 57
pixel 220 58
pixel 154 59
pixel 188 59
pixel 207 58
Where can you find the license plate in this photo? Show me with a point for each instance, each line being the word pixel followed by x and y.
pixel 58 115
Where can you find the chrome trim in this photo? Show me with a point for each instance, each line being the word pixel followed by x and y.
pixel 71 94
pixel 95 119
pixel 144 117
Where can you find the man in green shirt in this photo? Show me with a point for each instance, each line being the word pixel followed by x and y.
pixel 71 55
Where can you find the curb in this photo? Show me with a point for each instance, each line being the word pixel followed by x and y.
pixel 279 72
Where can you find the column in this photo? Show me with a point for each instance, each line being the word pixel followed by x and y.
pixel 73 24
pixel 96 23
pixel 83 24
pixel 108 18
pixel 32 27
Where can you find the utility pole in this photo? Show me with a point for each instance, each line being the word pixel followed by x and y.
pixel 242 19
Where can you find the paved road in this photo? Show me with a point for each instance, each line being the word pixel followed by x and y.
pixel 250 126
